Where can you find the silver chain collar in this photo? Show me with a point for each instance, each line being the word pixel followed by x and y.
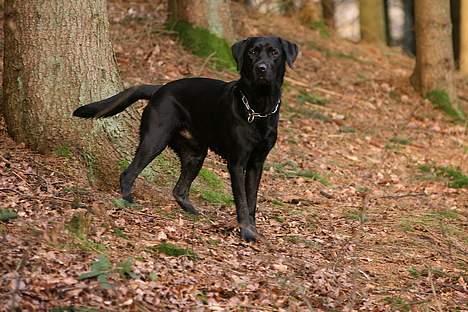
pixel 253 114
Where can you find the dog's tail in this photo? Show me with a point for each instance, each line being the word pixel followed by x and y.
pixel 117 103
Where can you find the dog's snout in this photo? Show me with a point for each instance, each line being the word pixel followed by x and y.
pixel 261 68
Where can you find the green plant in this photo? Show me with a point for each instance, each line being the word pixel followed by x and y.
pixel 7 215
pixel 102 268
pixel 398 304
pixel 125 269
pixel 119 233
pixel 357 215
pixel 456 178
pixel 436 272
pixel 321 27
pixel 414 272
pixel 291 170
pixel 122 203
pixel 63 151
pixel 217 197
pixel 153 276
pixel 90 162
pixel 440 99
pixel 347 129
pixel 400 140
pixel 306 112
pixel 212 188
pixel 123 164
pixel 210 178
pixel 79 227
pixel 305 97
pixel 174 251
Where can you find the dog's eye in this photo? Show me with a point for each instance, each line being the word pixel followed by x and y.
pixel 275 52
pixel 253 51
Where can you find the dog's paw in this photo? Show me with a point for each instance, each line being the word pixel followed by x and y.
pixel 248 233
pixel 128 198
pixel 190 209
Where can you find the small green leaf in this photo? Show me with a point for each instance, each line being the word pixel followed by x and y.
pixel 125 269
pixel 7 215
pixel 103 282
pixel 101 264
pixel 153 276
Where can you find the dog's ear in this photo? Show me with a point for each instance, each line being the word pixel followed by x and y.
pixel 290 50
pixel 238 50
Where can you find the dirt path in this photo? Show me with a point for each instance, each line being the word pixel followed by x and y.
pixel 355 210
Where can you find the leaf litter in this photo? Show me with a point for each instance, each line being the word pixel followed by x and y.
pixel 375 237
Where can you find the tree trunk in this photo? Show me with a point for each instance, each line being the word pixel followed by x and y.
pixel 464 36
pixel 213 15
pixel 309 11
pixel 372 20
pixel 434 52
pixel 58 56
pixel 328 11
pixel 266 6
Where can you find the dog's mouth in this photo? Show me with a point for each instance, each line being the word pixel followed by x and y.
pixel 262 79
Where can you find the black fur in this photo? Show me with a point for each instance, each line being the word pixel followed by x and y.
pixel 196 114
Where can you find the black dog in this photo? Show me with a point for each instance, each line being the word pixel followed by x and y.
pixel 238 120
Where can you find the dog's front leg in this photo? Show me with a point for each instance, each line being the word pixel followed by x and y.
pixel 237 172
pixel 252 183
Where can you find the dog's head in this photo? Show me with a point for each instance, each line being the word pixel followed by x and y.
pixel 262 60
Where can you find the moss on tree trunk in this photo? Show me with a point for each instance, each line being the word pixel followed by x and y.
pixel 205 28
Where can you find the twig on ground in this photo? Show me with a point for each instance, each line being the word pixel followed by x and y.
pixel 402 195
pixel 202 68
pixel 17 281
pixel 133 212
pixel 439 307
pixel 10 190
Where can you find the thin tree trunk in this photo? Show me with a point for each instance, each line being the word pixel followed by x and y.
pixel 434 52
pixel 372 20
pixel 464 36
pixel 58 56
pixel 328 10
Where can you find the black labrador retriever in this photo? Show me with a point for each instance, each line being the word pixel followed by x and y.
pixel 237 120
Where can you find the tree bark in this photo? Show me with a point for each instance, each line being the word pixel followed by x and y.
pixel 58 56
pixel 309 11
pixel 328 11
pixel 213 15
pixel 464 37
pixel 372 20
pixel 266 6
pixel 434 52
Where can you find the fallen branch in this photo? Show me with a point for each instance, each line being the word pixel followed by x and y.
pixel 439 307
pixel 402 195
pixel 202 68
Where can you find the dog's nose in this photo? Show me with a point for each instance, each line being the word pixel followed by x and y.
pixel 261 68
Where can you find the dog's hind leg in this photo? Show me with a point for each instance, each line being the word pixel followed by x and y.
pixel 191 163
pixel 154 140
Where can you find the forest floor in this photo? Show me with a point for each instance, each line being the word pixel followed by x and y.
pixel 358 207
